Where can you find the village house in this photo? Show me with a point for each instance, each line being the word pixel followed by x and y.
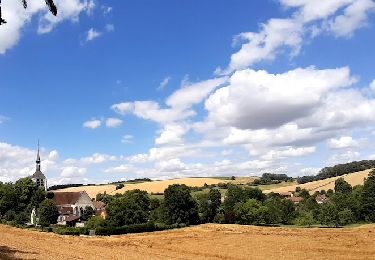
pixel 295 200
pixel 71 205
pixel 321 199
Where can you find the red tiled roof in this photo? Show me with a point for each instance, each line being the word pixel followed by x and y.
pixel 66 198
pixel 72 218
pixel 99 205
pixel 295 199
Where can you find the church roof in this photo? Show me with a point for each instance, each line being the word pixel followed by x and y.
pixel 38 175
pixel 66 198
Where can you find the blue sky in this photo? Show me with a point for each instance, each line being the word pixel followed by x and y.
pixel 162 89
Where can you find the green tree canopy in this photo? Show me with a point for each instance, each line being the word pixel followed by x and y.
pixel 48 213
pixel 368 198
pixel 179 205
pixel 131 208
pixel 342 186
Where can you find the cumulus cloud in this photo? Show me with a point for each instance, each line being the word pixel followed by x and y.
pixel 288 152
pixel 73 172
pixel 93 124
pixel 171 134
pixel 339 17
pixel 342 142
pixel 113 122
pixel 345 157
pixel 17 17
pixel 258 99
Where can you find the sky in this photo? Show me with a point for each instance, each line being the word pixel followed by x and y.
pixel 117 90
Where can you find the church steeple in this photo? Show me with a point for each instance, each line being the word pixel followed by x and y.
pixel 38 159
pixel 38 177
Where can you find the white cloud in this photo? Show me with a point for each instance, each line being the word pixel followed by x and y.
pixel 17 17
pixel 355 16
pixel 288 152
pixel 92 34
pixel 106 9
pixel 345 157
pixel 171 134
pixel 194 93
pixel 113 122
pixel 309 171
pixel 150 110
pixel 372 86
pixel 257 99
pixel 124 168
pixel 109 27
pixel 342 142
pixel 73 172
pixel 163 84
pixel 127 139
pixel 93 124
pixel 340 17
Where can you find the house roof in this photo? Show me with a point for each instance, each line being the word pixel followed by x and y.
pixel 72 218
pixel 286 193
pixel 66 198
pixel 296 199
pixel 99 205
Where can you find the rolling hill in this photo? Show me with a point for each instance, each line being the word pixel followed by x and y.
pixel 153 187
pixel 356 178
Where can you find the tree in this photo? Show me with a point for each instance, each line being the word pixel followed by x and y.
pixel 87 213
pixel 131 208
pixel 329 215
pixel 251 212
pixel 208 205
pixel 120 186
pixel 179 205
pixel 51 5
pixel 304 194
pixel 368 198
pixel 237 194
pixel 48 213
pixel 305 219
pixel 95 222
pixel 342 186
pixel 280 210
pixel 346 217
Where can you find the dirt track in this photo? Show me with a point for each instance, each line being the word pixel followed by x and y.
pixel 201 242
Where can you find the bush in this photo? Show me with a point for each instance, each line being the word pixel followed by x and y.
pixel 70 231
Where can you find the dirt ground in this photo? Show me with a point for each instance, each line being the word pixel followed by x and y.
pixel 201 242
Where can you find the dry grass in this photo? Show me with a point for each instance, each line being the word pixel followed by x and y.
pixel 356 178
pixel 201 242
pixel 155 186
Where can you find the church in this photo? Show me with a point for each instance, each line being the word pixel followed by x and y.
pixel 38 177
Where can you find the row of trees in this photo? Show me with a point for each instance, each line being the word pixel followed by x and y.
pixel 271 178
pixel 338 170
pixel 247 205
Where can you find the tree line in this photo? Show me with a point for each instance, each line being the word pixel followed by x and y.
pixel 338 170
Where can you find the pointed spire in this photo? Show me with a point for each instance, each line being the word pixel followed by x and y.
pixel 38 159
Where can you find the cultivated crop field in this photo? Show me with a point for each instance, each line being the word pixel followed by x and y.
pixel 208 241
pixel 356 178
pixel 155 186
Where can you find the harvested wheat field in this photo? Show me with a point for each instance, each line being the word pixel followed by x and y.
pixel 356 178
pixel 208 241
pixel 153 187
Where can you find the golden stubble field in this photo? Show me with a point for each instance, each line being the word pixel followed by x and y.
pixel 356 178
pixel 210 241
pixel 155 186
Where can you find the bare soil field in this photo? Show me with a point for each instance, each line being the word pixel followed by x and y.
pixel 208 241
pixel 153 187
pixel 356 178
